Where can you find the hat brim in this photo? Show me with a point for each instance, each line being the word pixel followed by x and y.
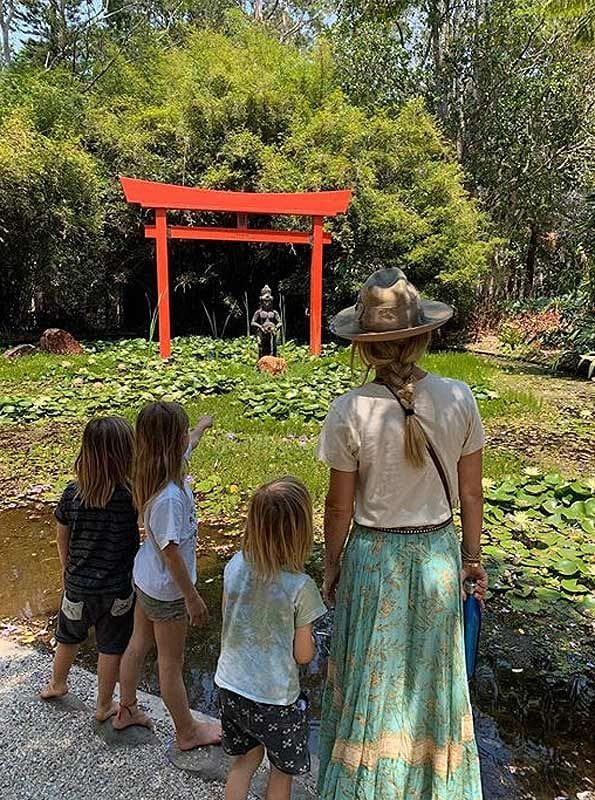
pixel 346 325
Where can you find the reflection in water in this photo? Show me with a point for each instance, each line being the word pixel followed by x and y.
pixel 522 747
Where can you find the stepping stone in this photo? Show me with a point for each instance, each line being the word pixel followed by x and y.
pixel 132 736
pixel 211 763
pixel 68 703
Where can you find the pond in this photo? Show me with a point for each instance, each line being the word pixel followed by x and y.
pixel 529 749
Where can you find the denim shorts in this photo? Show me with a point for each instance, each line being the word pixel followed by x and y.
pixel 161 610
pixel 112 617
pixel 282 730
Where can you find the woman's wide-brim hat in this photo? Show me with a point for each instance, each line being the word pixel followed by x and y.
pixel 389 308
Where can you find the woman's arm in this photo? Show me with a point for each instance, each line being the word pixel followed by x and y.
pixel 304 646
pixel 62 540
pixel 471 497
pixel 338 513
pixel 197 610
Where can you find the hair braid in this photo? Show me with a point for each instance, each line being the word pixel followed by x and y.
pixel 394 363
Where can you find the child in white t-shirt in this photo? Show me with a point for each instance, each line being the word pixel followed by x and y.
pixel 269 605
pixel 165 569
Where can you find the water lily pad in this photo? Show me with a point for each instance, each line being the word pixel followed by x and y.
pixel 547 595
pixel 587 603
pixel 551 506
pixel 580 489
pixel 571 585
pixel 566 566
pixel 536 488
pixel 553 479
pixel 556 521
pixel 576 511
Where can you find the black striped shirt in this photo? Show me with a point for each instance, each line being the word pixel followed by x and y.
pixel 102 545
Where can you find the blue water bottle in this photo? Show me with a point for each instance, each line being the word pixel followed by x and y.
pixel 472 625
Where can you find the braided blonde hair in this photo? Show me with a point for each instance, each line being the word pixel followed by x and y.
pixel 394 363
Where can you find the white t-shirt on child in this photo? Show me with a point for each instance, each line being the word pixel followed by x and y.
pixel 259 622
pixel 170 517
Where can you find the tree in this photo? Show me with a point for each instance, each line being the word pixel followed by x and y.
pixel 581 15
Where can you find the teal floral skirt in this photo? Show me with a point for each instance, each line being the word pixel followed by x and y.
pixel 396 720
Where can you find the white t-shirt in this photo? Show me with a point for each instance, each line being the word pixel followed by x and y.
pixel 259 623
pixel 170 517
pixel 364 432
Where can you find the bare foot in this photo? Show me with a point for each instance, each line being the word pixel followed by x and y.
pixel 105 712
pixel 53 690
pixel 204 734
pixel 131 715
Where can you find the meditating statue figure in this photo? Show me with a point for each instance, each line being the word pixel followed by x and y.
pixel 267 323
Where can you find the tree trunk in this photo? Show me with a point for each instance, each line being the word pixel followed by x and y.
pixel 530 260
pixel 7 13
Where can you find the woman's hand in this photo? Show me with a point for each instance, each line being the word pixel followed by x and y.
pixel 480 576
pixel 198 613
pixel 332 573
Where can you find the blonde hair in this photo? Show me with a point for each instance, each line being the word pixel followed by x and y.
pixel 394 363
pixel 161 439
pixel 278 533
pixel 104 460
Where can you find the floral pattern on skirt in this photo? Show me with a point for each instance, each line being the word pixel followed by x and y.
pixel 396 719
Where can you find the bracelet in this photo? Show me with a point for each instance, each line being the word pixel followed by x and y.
pixel 470 556
pixel 474 564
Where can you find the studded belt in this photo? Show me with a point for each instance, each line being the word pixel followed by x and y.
pixel 411 529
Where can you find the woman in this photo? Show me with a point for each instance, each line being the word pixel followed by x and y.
pixel 396 721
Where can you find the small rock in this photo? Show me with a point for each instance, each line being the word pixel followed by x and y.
pixel 57 341
pixel 20 350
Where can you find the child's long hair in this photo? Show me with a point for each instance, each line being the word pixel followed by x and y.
pixel 278 533
pixel 105 460
pixel 394 363
pixel 161 439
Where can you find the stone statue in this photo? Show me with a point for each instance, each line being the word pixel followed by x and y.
pixel 267 323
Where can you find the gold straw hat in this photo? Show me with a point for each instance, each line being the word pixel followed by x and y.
pixel 389 307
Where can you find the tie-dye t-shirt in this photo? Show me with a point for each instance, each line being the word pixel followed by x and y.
pixel 259 622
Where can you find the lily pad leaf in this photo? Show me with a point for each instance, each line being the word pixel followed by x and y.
pixel 547 595
pixel 571 585
pixel 566 566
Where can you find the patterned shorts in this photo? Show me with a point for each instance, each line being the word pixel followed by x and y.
pixel 282 730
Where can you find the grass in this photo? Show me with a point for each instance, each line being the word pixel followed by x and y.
pixel 48 398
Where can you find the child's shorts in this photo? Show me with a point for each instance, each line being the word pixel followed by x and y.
pixel 161 610
pixel 282 730
pixel 112 618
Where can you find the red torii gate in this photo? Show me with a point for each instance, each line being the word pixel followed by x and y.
pixel 164 197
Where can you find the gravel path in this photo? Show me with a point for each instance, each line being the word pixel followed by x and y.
pixel 47 753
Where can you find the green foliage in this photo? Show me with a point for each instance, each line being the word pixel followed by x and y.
pixel 540 529
pixel 238 110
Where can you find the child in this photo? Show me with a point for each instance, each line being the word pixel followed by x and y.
pixel 97 540
pixel 165 570
pixel 269 605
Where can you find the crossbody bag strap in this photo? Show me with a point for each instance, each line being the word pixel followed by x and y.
pixel 431 451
